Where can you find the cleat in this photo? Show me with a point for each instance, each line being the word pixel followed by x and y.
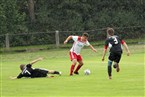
pixel 76 73
pixel 110 77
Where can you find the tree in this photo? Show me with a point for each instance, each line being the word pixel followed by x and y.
pixel 11 20
pixel 31 10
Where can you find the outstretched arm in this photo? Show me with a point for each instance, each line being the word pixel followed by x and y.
pixel 36 60
pixel 126 48
pixel 13 77
pixel 69 38
pixel 93 48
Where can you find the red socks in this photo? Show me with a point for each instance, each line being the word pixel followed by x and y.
pixel 72 69
pixel 78 68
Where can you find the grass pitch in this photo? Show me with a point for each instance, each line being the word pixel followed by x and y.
pixel 128 82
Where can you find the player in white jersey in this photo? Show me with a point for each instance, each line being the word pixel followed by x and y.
pixel 79 43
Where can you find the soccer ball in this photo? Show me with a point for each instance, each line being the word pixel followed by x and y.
pixel 87 72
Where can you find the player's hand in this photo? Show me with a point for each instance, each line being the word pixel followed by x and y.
pixel 128 53
pixel 13 77
pixel 103 59
pixel 40 58
pixel 94 50
pixel 65 42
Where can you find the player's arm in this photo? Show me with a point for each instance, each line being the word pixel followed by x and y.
pixel 18 77
pixel 104 52
pixel 36 60
pixel 88 44
pixel 68 38
pixel 13 77
pixel 126 47
pixel 92 48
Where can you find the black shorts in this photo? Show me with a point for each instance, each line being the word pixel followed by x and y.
pixel 115 56
pixel 39 73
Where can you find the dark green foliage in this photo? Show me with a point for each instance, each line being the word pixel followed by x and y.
pixel 71 15
pixel 12 21
pixel 78 15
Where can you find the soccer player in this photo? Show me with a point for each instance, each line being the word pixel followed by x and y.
pixel 115 45
pixel 28 71
pixel 79 43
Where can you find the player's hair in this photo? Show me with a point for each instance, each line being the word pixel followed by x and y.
pixel 85 34
pixel 110 31
pixel 22 66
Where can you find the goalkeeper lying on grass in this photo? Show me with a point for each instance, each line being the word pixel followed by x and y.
pixel 29 72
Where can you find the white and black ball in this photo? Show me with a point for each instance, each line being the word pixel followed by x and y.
pixel 87 72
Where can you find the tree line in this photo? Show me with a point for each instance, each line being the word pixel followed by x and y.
pixel 25 16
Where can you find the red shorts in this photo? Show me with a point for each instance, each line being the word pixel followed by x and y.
pixel 75 56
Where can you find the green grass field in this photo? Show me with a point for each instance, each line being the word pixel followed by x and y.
pixel 127 83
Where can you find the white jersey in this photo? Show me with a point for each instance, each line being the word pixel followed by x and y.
pixel 78 44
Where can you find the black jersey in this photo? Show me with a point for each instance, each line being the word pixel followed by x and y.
pixel 32 73
pixel 114 43
pixel 27 72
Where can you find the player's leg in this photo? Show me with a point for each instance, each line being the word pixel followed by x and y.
pixel 78 67
pixel 110 61
pixel 117 60
pixel 116 66
pixel 40 72
pixel 80 61
pixel 73 58
pixel 74 62
pixel 54 72
pixel 110 69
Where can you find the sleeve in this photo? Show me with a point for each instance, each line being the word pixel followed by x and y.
pixel 20 76
pixel 28 65
pixel 106 44
pixel 75 38
pixel 122 41
pixel 87 43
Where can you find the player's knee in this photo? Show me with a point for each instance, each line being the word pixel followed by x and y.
pixel 74 62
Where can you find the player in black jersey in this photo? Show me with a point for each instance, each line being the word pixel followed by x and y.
pixel 28 71
pixel 115 45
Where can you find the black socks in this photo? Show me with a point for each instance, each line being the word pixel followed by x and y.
pixel 109 70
